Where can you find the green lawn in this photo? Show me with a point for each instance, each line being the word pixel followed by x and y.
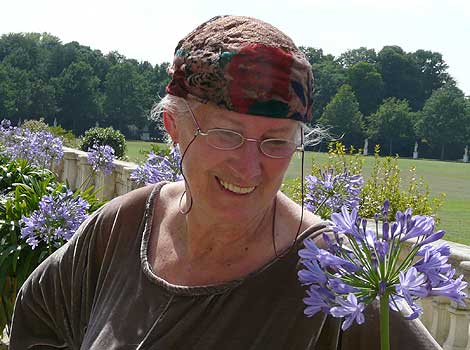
pixel 451 178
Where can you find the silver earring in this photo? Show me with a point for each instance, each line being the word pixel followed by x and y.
pixel 184 212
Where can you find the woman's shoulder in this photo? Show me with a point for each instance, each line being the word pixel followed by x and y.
pixel 313 226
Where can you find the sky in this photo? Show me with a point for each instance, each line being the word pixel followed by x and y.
pixel 148 30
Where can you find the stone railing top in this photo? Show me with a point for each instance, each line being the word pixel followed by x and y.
pixel 118 162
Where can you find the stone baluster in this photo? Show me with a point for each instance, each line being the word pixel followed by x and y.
pixel 85 176
pixel 440 319
pixel 458 337
pixel 426 317
pixel 105 184
pixel 70 166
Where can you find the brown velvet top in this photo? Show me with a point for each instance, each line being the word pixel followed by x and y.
pixel 99 292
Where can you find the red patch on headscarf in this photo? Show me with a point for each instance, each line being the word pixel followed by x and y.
pixel 177 85
pixel 259 72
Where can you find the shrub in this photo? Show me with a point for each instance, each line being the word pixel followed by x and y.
pixel 385 182
pixel 35 125
pixel 102 137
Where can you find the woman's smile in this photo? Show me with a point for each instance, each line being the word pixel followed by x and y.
pixel 231 187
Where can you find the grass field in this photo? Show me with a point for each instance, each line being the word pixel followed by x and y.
pixel 451 178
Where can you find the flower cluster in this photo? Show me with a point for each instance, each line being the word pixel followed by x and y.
pixel 158 168
pixel 327 193
pixel 101 158
pixel 361 265
pixel 38 148
pixel 56 220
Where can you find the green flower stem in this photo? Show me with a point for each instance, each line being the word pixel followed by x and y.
pixel 384 323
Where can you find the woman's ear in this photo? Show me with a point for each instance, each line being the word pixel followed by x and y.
pixel 169 121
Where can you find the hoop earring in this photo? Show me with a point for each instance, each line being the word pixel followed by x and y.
pixel 184 212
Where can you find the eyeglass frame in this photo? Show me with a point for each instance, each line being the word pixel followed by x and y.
pixel 199 131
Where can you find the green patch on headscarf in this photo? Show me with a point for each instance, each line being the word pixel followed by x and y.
pixel 181 52
pixel 272 108
pixel 225 58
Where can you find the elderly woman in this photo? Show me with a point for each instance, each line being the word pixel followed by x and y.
pixel 209 262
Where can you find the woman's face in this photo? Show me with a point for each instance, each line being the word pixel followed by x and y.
pixel 235 184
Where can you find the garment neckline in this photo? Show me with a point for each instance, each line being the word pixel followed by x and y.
pixel 208 289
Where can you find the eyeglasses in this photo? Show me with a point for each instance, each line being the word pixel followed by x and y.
pixel 227 140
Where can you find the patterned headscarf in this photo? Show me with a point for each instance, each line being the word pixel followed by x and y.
pixel 244 65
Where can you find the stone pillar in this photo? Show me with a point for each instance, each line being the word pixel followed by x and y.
pixel 426 317
pixel 440 319
pixel 105 184
pixel 465 155
pixel 70 173
pixel 85 174
pixel 366 146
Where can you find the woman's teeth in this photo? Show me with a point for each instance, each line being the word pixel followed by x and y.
pixel 236 189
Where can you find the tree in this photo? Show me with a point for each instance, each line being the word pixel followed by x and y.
pixel 355 56
pixel 343 117
pixel 368 86
pixel 19 92
pixel 79 99
pixel 328 75
pixel 432 72
pixel 400 75
pixel 126 100
pixel 444 119
pixel 7 94
pixel 392 124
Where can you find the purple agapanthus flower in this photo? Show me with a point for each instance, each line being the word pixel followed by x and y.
pixel 38 148
pixel 158 168
pixel 328 192
pixel 101 158
pixel 55 221
pixel 360 265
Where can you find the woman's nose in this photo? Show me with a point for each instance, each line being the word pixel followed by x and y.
pixel 248 161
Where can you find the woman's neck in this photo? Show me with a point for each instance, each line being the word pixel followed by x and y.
pixel 206 238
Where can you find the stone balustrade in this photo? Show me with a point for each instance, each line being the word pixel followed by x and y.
pixel 446 321
pixel 75 170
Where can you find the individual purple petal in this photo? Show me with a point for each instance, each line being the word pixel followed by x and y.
pixel 452 289
pixel 433 237
pixel 386 231
pixel 312 274
pixel 315 302
pixel 340 287
pixel 310 251
pixel 327 259
pixel 385 209
pixel 350 309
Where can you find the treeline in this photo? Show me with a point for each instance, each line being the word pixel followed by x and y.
pixel 76 85
pixel 392 97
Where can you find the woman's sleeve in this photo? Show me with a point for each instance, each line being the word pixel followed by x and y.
pixel 53 305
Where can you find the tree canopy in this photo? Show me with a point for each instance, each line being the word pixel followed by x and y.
pixel 378 92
